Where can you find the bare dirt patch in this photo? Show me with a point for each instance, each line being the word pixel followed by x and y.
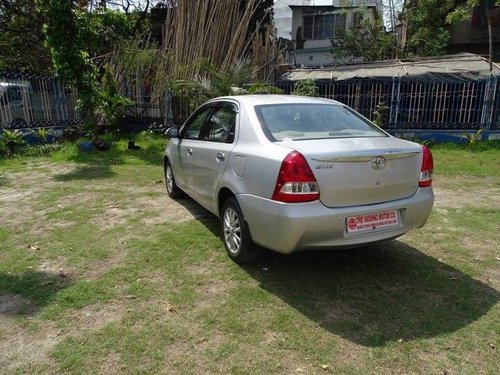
pixel 24 189
pixel 114 216
pixel 95 317
pixel 98 269
pixel 75 199
pixel 19 346
pixel 110 364
pixel 14 304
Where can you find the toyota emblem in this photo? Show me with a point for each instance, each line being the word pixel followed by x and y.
pixel 378 162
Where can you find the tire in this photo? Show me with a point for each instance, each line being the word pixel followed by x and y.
pixel 173 190
pixel 235 233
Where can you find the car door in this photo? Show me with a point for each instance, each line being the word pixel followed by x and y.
pixel 184 146
pixel 211 154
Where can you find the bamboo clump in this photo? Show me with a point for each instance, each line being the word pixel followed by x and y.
pixel 213 31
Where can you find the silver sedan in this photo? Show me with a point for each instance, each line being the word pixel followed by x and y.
pixel 295 173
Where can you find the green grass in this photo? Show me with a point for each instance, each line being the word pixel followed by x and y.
pixel 454 160
pixel 149 291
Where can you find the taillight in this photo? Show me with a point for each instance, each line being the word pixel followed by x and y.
pixel 427 167
pixel 296 182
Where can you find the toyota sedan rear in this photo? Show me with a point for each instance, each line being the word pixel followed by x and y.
pixel 295 173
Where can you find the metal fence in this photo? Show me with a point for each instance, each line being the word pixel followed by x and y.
pixel 431 102
pixel 33 101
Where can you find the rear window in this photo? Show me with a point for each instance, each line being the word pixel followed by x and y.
pixel 286 122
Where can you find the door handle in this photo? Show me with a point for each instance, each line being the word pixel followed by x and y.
pixel 190 151
pixel 220 157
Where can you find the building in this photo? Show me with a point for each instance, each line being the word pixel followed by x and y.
pixel 314 26
pixel 472 35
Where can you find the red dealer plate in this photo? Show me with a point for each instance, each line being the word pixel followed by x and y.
pixel 370 222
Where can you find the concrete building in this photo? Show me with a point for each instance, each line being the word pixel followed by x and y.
pixel 314 24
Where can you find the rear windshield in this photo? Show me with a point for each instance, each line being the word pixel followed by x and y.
pixel 286 122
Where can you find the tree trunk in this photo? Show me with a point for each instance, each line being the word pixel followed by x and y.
pixel 490 35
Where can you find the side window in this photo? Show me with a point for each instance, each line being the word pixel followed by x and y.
pixel 14 93
pixel 221 124
pixel 192 129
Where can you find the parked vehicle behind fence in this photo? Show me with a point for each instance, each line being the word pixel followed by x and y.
pixel 21 104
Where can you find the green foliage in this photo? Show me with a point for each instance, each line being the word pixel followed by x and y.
pixel 212 82
pixel 42 134
pixel 426 21
pixel 104 29
pixel 73 132
pixel 306 87
pixel 367 40
pixel 112 105
pixel 263 88
pixel 380 113
pixel 40 150
pixel 21 38
pixel 66 31
pixel 13 139
pixel 472 138
pixel 463 12
pixel 3 146
pixel 73 35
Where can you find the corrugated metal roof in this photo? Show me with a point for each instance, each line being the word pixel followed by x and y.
pixel 465 64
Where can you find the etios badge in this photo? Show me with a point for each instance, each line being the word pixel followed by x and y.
pixel 378 162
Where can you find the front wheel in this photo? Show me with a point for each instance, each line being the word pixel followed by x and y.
pixel 173 190
pixel 235 233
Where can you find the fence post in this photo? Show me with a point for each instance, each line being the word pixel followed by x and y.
pixel 394 106
pixel 488 108
pixel 168 120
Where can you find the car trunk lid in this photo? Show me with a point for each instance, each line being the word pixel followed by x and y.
pixel 362 171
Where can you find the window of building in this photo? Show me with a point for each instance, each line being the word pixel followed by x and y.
pixel 323 26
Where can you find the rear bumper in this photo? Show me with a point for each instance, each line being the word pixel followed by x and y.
pixel 285 227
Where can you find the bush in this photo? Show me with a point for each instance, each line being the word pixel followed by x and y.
pixel 73 132
pixel 13 139
pixel 40 150
pixel 3 147
pixel 157 128
pixel 306 87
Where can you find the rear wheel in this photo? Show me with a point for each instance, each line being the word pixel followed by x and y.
pixel 172 188
pixel 235 233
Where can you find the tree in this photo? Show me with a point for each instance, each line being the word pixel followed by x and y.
pixel 367 40
pixel 21 38
pixel 426 20
pixel 66 30
pixel 72 35
pixel 463 13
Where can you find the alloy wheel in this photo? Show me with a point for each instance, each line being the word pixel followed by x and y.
pixel 232 230
pixel 170 179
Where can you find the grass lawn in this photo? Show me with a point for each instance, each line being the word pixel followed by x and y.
pixel 101 273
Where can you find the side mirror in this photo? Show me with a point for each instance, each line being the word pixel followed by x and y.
pixel 172 132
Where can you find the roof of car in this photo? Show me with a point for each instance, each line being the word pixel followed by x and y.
pixel 254 100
